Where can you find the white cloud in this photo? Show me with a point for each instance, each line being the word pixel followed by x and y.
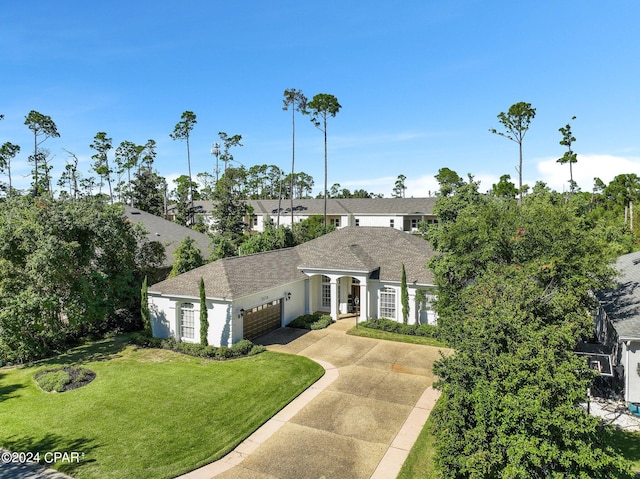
pixel 588 167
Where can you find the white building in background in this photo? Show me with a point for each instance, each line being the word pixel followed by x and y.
pixel 403 214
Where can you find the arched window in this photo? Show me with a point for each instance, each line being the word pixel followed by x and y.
pixel 388 303
pixel 187 323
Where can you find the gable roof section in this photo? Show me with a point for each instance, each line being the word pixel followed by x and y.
pixel 167 232
pixel 377 250
pixel 622 304
pixel 381 248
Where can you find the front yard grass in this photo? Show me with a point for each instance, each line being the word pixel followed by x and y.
pixel 420 461
pixel 148 412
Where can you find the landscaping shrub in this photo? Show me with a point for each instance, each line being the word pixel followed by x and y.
pixel 51 381
pixel 241 348
pixel 384 324
pixel 63 379
pixel 322 323
pixel 224 352
pixel 311 321
pixel 257 349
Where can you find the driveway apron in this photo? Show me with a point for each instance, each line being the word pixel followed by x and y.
pixel 362 425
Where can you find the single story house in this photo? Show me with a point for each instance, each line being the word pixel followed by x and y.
pixel 403 214
pixel 617 324
pixel 353 270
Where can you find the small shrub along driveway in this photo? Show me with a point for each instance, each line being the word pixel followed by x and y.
pixel 148 412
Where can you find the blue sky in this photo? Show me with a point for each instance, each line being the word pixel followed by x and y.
pixel 420 83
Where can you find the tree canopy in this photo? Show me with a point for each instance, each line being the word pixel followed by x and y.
pixel 514 295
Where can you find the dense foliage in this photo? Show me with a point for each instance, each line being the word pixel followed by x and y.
pixel 514 295
pixel 66 268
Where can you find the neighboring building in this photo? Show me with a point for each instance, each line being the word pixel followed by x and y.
pixel 400 213
pixel 617 323
pixel 167 233
pixel 349 271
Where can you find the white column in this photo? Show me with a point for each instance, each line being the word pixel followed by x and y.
pixel 364 300
pixel 413 313
pixel 334 299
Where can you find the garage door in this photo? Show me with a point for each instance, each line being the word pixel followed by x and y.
pixel 262 319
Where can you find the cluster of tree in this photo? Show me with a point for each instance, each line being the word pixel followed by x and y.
pixel 67 268
pixel 515 282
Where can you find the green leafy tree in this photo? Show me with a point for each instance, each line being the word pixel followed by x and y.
pixel 204 315
pixel 67 267
pixel 400 187
pixel 295 100
pixel 569 155
pixel 186 257
pixel 404 296
pixel 102 144
pixel 269 239
pixel 182 131
pixel 504 188
pixel 310 228
pixel 127 159
pixel 230 206
pixel 516 123
pixel 509 407
pixel 321 107
pixel 149 190
pixel 43 128
pixel 8 151
pixel 182 196
pixel 449 181
pixel 144 308
pixel 514 285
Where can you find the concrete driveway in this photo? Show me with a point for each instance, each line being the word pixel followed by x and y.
pixel 361 423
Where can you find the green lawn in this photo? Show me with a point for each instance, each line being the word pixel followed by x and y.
pixel 149 412
pixel 403 338
pixel 419 463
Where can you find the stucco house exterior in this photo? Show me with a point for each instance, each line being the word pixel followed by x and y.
pixel 617 323
pixel 353 270
pixel 403 214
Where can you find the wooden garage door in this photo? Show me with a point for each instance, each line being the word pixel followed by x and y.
pixel 262 320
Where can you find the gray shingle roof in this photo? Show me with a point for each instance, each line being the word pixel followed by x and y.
pixel 168 233
pixel 622 304
pixel 380 251
pixel 339 206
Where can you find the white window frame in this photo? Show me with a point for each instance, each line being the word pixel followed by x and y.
pixel 187 321
pixel 326 292
pixel 387 303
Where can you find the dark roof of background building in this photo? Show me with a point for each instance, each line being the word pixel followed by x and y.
pixel 379 251
pixel 622 304
pixel 167 232
pixel 337 206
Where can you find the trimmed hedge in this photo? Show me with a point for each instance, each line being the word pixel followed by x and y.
pixel 240 349
pixel 311 321
pixel 384 324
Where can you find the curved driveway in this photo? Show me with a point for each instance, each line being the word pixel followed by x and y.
pixel 360 420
